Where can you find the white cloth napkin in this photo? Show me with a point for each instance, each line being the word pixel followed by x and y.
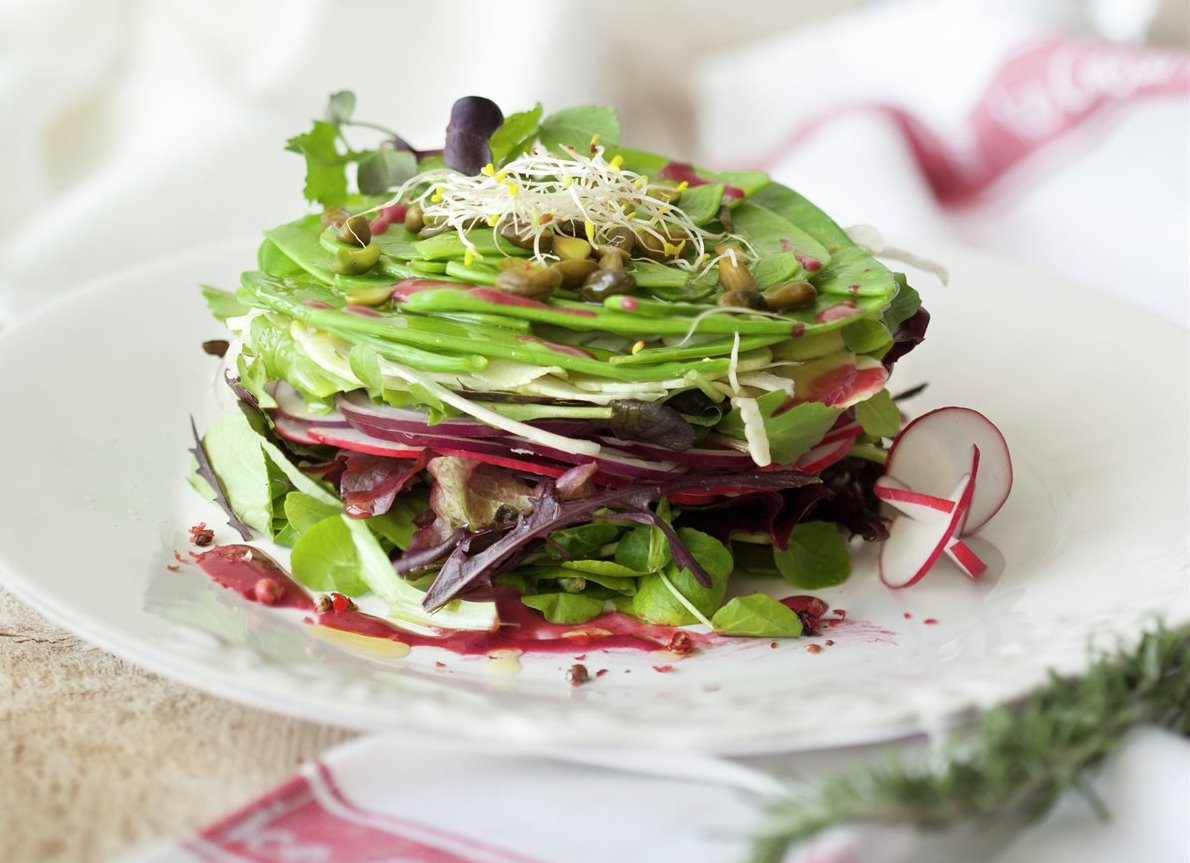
pixel 393 797
pixel 147 129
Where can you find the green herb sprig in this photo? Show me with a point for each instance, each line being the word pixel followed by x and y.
pixel 1016 762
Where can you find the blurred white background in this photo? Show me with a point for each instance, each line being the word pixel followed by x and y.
pixel 141 128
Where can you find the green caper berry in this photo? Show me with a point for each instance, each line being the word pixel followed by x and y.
pixel 741 300
pixel 797 294
pixel 605 283
pixel 571 248
pixel 354 231
pixel 530 282
pixel 351 261
pixel 414 221
pixel 332 216
pixel 574 273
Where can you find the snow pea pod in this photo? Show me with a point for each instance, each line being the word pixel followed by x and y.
pixel 449 245
pixel 851 270
pixel 434 334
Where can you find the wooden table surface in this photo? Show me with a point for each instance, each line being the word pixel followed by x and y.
pixel 99 758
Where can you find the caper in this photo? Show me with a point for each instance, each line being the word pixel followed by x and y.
pixel 574 273
pixel 797 294
pixel 372 295
pixel 612 258
pixel 525 237
pixel 669 245
pixel 535 283
pixel 741 299
pixel 351 261
pixel 604 283
pixel 733 273
pixel 354 231
pixel 414 220
pixel 571 248
pixel 334 215
pixel 621 237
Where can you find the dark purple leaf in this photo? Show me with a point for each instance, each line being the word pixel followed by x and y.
pixel 473 119
pixel 462 569
pixel 429 545
pixel 909 334
pixel 371 483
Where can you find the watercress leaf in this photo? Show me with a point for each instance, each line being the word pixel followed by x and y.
pixel 515 135
pixel 565 608
pixel 701 203
pixel 324 558
pixel 222 304
pixel 340 106
pixel 384 169
pixel 581 540
pixel 879 415
pixel 326 174
pixel 303 511
pixel 792 432
pixel 712 555
pixel 757 615
pixel 575 127
pixel 643 550
pixel 816 556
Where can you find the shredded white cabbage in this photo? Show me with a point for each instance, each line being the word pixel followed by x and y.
pixel 544 438
pixel 754 431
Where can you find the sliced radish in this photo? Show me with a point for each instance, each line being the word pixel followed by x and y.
pixel 357 441
pixel 932 451
pixel 825 454
pixel 968 561
pixel 913 547
pixel 922 507
pixel 291 404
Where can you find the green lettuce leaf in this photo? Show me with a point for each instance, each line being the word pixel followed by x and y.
pixel 757 615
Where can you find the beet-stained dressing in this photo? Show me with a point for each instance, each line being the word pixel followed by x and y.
pixel 521 629
pixel 242 568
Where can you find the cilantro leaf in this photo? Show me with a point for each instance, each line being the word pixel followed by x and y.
pixel 326 167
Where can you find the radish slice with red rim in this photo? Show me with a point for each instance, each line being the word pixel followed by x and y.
pixel 966 559
pixel 931 453
pixel 913 547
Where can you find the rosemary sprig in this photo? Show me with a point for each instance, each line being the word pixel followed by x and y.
pixel 1016 762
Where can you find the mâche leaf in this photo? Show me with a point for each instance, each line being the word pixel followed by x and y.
pixel 575 127
pixel 757 615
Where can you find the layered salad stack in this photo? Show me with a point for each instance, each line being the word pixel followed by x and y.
pixel 536 361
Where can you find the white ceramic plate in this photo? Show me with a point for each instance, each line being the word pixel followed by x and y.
pixel 96 392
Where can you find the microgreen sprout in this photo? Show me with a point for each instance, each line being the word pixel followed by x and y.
pixel 540 189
